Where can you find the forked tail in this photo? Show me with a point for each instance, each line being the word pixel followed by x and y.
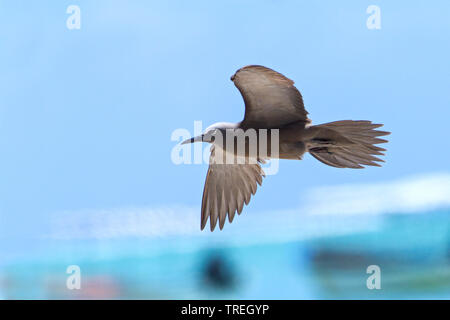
pixel 347 143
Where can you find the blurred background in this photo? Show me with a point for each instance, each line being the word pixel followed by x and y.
pixel 87 179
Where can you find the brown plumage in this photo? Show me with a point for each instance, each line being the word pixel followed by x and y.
pixel 273 102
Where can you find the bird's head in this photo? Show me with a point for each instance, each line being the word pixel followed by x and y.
pixel 211 132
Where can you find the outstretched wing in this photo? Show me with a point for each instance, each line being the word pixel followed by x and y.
pixel 227 188
pixel 271 99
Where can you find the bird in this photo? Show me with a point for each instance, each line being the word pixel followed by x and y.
pixel 272 102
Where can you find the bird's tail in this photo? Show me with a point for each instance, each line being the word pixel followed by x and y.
pixel 347 143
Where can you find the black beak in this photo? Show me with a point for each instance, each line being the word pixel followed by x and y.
pixel 194 139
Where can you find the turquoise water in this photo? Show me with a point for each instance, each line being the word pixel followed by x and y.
pixel 412 251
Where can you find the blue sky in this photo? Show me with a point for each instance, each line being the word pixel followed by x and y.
pixel 86 115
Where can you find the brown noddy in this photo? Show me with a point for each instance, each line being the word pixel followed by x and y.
pixel 272 102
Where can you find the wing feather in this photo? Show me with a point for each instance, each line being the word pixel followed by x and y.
pixel 227 188
pixel 271 100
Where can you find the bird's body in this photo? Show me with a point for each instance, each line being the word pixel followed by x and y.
pixel 274 105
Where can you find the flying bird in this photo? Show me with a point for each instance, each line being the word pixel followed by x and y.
pixel 273 102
